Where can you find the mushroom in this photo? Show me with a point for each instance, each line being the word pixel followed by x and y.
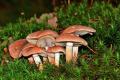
pixel 49 32
pixel 33 50
pixel 16 47
pixel 70 40
pixel 57 51
pixel 78 30
pixel 33 37
pixel 46 41
pixel 38 39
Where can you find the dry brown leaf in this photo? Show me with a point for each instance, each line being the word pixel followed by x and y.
pixel 93 20
pixel 53 22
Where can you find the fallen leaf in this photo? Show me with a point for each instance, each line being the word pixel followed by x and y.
pixel 4 57
pixel 93 20
pixel 4 43
pixel 11 40
pixel 53 22
pixel 85 56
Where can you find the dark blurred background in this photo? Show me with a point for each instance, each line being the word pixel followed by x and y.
pixel 10 10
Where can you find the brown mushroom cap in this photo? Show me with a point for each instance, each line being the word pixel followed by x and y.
pixel 16 47
pixel 49 32
pixel 46 41
pixel 64 38
pixel 28 45
pixel 79 30
pixel 30 49
pixel 33 37
pixel 56 49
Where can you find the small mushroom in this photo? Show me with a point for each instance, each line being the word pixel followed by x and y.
pixel 78 30
pixel 16 47
pixel 49 32
pixel 46 42
pixel 33 37
pixel 38 39
pixel 33 50
pixel 70 40
pixel 47 39
pixel 57 51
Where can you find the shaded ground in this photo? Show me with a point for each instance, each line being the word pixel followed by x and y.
pixel 11 10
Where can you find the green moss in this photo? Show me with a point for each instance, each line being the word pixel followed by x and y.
pixel 104 65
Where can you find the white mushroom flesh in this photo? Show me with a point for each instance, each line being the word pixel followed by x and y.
pixel 75 53
pixel 57 58
pixel 37 59
pixel 69 51
pixel 81 33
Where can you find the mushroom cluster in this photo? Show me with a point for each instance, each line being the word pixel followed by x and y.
pixel 47 46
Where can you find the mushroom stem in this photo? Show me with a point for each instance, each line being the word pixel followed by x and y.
pixel 45 58
pixel 31 60
pixel 46 48
pixel 40 67
pixel 37 59
pixel 75 53
pixel 51 60
pixel 69 46
pixel 57 58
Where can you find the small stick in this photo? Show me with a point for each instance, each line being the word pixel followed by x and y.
pixel 4 57
pixel 91 49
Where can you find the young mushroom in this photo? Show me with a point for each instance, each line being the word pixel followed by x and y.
pixel 46 42
pixel 70 40
pixel 33 37
pixel 57 51
pixel 16 47
pixel 78 30
pixel 32 50
pixel 47 39
pixel 38 38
